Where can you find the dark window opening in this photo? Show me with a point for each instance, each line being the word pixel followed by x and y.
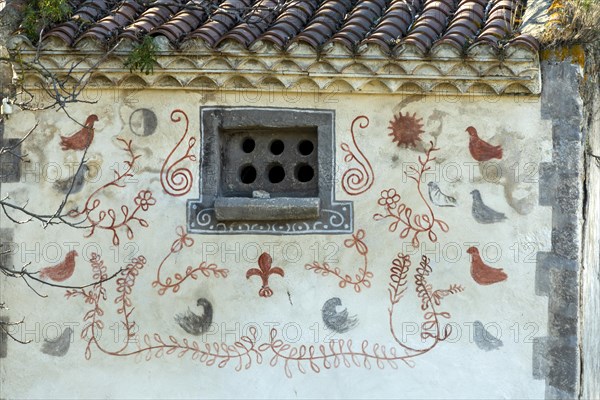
pixel 276 173
pixel 248 174
pixel 258 159
pixel 277 147
pixel 306 147
pixel 304 173
pixel 248 145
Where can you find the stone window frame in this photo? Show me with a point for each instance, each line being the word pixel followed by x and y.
pixel 334 217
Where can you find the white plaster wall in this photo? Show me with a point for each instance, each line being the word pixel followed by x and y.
pixel 456 367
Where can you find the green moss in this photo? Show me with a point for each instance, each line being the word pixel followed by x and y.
pixel 143 57
pixel 39 14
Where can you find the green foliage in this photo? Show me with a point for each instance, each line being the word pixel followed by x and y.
pixel 143 57
pixel 39 14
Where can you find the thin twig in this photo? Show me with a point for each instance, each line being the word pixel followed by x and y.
pixel 2 327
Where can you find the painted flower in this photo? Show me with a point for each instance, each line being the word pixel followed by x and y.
pixel 389 198
pixel 144 200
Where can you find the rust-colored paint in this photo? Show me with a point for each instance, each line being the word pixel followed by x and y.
pixel 264 271
pixel 178 180
pixel 63 271
pixel 81 139
pixel 481 150
pixel 484 274
pixel 406 130
pixel 173 283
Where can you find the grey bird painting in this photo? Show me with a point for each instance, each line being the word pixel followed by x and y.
pixel 63 186
pixel 484 339
pixel 339 322
pixel 195 324
pixel 438 198
pixel 482 213
pixel 59 346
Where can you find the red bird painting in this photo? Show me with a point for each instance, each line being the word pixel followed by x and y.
pixel 62 271
pixel 82 138
pixel 484 274
pixel 480 150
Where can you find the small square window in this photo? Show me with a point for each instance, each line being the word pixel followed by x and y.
pixel 282 162
pixel 267 170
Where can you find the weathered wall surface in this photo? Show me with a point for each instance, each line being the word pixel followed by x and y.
pixel 184 317
pixel 591 262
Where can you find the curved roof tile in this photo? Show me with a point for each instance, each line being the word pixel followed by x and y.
pixel 387 23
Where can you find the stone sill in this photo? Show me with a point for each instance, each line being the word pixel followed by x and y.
pixel 275 209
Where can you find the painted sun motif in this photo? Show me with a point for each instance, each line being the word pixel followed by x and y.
pixel 406 129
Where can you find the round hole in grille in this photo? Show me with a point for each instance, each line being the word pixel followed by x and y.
pixel 277 147
pixel 306 147
pixel 248 145
pixel 276 173
pixel 304 173
pixel 248 174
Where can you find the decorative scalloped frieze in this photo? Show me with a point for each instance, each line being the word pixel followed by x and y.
pixel 264 67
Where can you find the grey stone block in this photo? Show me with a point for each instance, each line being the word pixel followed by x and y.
pixel 277 209
pixel 540 365
pixel 548 184
pixel 567 130
pixel 6 247
pixel 555 358
pixel 563 373
pixel 10 162
pixel 3 339
pixel 560 93
pixel 565 240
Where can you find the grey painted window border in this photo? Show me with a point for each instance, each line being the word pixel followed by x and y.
pixel 336 217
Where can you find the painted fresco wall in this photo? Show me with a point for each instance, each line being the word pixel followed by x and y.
pixel 431 295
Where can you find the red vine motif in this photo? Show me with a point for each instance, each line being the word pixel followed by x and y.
pixel 357 180
pixel 332 355
pixel 339 352
pixel 153 345
pixel 401 214
pixel 364 275
pixel 246 351
pixel 178 181
pixel 92 329
pixel 429 300
pixel 174 283
pixel 108 219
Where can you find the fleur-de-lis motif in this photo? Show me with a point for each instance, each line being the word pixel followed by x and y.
pixel 264 271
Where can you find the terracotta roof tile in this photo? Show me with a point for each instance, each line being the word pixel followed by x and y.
pixel 117 19
pixel 395 23
pixel 387 23
pixel 255 23
pixel 290 22
pixel 359 22
pixel 151 18
pixel 227 15
pixel 184 22
pixel 466 23
pixel 431 24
